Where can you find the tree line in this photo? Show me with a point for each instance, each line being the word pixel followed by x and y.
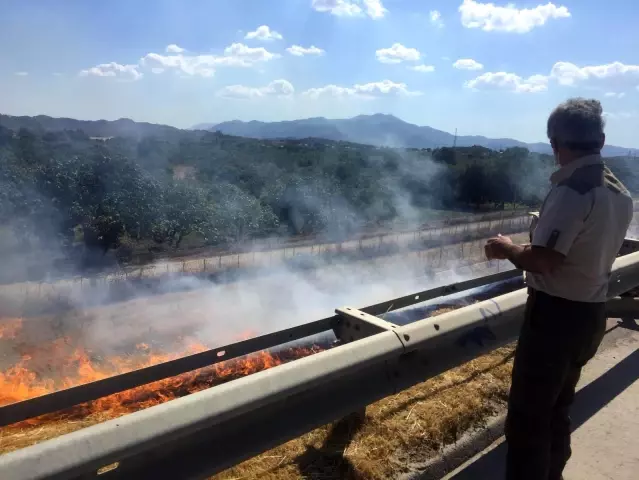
pixel 67 189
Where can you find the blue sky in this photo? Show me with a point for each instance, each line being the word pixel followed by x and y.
pixel 493 69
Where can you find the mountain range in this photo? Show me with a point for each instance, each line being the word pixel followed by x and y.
pixel 122 127
pixel 380 130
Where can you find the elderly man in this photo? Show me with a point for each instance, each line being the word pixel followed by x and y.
pixel 581 227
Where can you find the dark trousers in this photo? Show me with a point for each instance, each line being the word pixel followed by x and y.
pixel 557 339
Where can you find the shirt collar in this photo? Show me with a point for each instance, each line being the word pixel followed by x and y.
pixel 567 170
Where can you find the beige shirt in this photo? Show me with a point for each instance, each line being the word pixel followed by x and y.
pixel 585 217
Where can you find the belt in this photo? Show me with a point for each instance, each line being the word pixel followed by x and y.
pixel 538 294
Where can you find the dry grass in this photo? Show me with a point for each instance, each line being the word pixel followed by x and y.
pixel 406 428
pixel 396 432
pixel 15 437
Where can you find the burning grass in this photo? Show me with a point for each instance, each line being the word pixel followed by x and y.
pixel 62 364
pixel 397 433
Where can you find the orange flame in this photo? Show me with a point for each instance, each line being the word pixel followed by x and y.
pixel 60 365
pixel 9 327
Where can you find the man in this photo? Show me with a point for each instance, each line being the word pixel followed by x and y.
pixel 582 224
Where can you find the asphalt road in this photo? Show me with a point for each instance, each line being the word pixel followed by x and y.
pixel 605 418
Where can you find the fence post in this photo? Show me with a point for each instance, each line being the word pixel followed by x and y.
pixel 204 265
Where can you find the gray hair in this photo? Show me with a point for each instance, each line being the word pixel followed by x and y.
pixel 577 124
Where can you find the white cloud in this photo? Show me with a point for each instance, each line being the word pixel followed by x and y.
pixel 468 64
pixel 375 9
pixel 198 65
pixel 248 56
pixel 263 33
pixel 329 90
pixel 351 8
pixel 173 48
pixel 340 8
pixel 236 55
pixel 423 68
pixel 490 17
pixel 367 91
pixel 299 51
pixel 113 69
pixel 567 73
pixel 279 88
pixel 398 53
pixel 22 74
pixel 436 18
pixel 510 82
pixel 613 76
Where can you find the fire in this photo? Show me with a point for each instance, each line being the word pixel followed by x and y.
pixel 9 327
pixel 60 364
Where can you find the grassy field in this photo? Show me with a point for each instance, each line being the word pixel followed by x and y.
pixel 397 433
pixel 394 436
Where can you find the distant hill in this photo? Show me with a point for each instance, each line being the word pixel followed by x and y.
pixel 378 129
pixel 123 127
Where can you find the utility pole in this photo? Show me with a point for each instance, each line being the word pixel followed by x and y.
pixel 455 147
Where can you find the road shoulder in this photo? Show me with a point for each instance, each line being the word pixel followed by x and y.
pixel 605 418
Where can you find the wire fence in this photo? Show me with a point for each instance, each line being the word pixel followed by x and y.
pixel 431 253
pixel 364 246
pixel 435 247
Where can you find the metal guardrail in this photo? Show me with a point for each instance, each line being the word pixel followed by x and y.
pixel 206 432
pixel 69 397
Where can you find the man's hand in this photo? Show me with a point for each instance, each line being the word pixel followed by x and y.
pixel 533 259
pixel 496 249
